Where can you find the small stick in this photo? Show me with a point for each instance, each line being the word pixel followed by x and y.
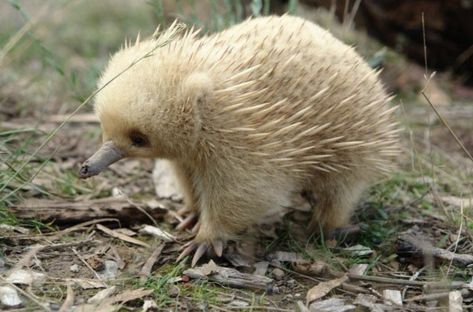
pixel 435 296
pixel 396 281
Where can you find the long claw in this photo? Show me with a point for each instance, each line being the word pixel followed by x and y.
pixel 218 247
pixel 196 228
pixel 188 248
pixel 182 211
pixel 201 250
pixel 187 222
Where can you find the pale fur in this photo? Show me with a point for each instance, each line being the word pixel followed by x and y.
pixel 250 115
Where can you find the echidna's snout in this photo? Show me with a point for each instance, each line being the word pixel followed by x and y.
pixel 104 157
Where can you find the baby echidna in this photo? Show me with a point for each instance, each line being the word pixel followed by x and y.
pixel 248 117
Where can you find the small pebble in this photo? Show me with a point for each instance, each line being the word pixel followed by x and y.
pixel 278 274
pixel 74 268
pixel 150 306
pixel 110 271
pixel 174 292
pixel 9 297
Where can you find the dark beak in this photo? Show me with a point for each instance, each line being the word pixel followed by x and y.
pixel 104 157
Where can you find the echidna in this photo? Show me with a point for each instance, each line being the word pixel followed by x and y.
pixel 248 117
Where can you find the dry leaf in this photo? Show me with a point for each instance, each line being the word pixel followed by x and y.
pixel 157 232
pixel 66 306
pixel 317 268
pixel 286 256
pixel 332 305
pixel 121 236
pixel 261 268
pixel 9 297
pixel 209 268
pixel 229 277
pixel 358 251
pixel 455 301
pixel 323 288
pixel 129 295
pixel 392 296
pixel 101 295
pixel 369 301
pixel 25 277
pixel 88 283
pixel 358 269
pixel 126 231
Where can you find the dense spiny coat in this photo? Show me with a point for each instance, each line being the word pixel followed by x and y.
pixel 250 115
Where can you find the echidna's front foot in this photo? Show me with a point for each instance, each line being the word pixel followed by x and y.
pixel 201 248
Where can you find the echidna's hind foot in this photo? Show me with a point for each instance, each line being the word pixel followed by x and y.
pixel 336 199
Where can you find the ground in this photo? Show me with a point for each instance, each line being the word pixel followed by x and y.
pixel 63 239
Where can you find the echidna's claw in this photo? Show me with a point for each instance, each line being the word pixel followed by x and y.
pixel 196 228
pixel 183 211
pixel 189 247
pixel 188 221
pixel 201 250
pixel 218 247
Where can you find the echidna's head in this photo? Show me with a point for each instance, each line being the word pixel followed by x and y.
pixel 147 110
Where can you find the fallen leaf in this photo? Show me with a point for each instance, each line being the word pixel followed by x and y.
pixel 332 305
pixel 148 266
pixel 157 232
pixel 261 268
pixel 25 277
pixel 369 301
pixel 11 228
pixel 110 270
pixel 129 295
pixel 102 294
pixel 323 288
pixel 150 305
pixel 9 297
pixel 126 231
pixel 392 296
pixel 88 283
pixel 286 256
pixel 121 236
pixel 455 301
pixel 358 251
pixel 69 301
pixel 239 304
pixel 229 277
pixel 317 268
pixel 209 268
pixel 358 269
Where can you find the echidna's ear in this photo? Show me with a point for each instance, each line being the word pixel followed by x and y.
pixel 198 89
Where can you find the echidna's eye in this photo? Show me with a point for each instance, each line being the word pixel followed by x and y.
pixel 138 139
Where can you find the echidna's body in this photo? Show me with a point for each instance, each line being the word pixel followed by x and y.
pixel 250 115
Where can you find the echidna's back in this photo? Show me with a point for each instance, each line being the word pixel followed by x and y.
pixel 299 97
